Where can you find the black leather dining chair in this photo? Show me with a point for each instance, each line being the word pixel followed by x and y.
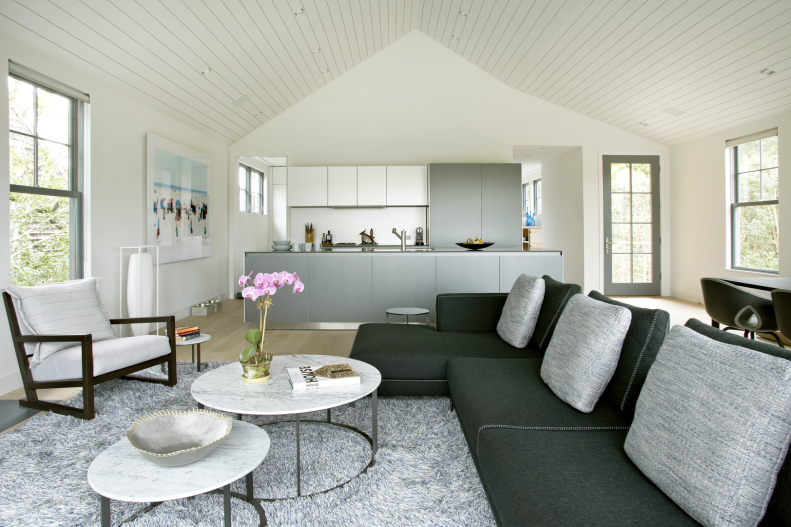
pixel 781 299
pixel 739 309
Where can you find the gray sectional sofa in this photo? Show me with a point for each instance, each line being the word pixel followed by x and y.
pixel 541 462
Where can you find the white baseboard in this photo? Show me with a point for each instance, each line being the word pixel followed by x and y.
pixel 10 382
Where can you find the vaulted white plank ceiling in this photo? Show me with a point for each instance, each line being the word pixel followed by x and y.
pixel 668 70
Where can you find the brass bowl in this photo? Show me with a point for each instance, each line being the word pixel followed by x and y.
pixel 174 438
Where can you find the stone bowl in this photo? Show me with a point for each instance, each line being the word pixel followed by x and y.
pixel 282 242
pixel 173 438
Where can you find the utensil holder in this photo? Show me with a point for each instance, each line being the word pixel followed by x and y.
pixel 309 236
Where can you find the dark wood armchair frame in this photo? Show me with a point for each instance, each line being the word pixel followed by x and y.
pixel 88 381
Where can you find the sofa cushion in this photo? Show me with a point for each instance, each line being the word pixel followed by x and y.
pixel 779 511
pixel 491 394
pixel 518 319
pixel 642 342
pixel 558 478
pixel 68 308
pixel 556 296
pixel 583 353
pixel 108 355
pixel 712 427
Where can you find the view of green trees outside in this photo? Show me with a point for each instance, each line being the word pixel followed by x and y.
pixel 756 232
pixel 632 230
pixel 39 124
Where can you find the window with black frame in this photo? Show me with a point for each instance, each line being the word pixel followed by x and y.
pixel 755 241
pixel 537 185
pixel 45 149
pixel 252 191
pixel 525 198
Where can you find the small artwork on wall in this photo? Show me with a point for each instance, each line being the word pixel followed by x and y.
pixel 178 205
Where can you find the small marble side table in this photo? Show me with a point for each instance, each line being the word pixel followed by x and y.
pixel 195 342
pixel 121 473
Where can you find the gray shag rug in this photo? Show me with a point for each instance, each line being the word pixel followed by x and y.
pixel 424 474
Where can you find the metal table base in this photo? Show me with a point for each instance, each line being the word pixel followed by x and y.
pixel 193 355
pixel 373 440
pixel 225 491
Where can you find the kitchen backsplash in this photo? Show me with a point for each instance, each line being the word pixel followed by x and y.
pixel 346 224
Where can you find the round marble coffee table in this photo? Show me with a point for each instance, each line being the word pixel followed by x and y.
pixel 121 473
pixel 205 337
pixel 223 389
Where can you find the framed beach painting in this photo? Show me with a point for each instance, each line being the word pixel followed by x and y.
pixel 178 204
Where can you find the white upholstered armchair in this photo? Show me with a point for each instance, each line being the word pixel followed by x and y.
pixel 63 338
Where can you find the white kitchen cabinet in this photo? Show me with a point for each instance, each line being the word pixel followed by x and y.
pixel 341 186
pixel 307 186
pixel 372 186
pixel 407 186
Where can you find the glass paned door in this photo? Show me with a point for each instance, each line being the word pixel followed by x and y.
pixel 631 225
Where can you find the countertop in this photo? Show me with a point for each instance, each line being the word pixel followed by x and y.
pixel 411 249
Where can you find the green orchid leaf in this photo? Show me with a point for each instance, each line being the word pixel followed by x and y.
pixel 247 353
pixel 253 336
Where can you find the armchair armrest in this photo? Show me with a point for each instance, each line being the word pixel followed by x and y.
pixel 53 338
pixel 469 312
pixel 141 320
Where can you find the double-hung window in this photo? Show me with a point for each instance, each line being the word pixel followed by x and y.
pixel 537 185
pixel 46 198
pixel 252 191
pixel 755 243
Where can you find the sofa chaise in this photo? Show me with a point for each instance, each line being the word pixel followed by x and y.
pixel 540 461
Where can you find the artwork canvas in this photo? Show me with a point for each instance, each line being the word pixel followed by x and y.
pixel 178 206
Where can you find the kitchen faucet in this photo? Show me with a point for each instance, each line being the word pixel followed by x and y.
pixel 401 237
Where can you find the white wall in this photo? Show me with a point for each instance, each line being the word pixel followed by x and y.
pixel 416 102
pixel 562 212
pixel 700 207
pixel 116 193
pixel 346 224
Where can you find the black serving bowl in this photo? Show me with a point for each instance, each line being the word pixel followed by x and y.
pixel 475 246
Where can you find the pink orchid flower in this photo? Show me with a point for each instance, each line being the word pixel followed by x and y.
pixel 268 289
pixel 268 278
pixel 250 292
pixel 260 280
pixel 296 277
pixel 288 278
pixel 243 279
pixel 298 287
pixel 277 280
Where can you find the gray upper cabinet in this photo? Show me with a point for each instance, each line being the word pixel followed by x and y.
pixel 454 203
pixel 501 203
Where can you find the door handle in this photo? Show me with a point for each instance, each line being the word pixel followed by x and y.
pixel 607 244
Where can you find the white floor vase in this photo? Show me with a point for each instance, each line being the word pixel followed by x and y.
pixel 140 290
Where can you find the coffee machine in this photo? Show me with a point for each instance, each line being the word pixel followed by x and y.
pixel 419 236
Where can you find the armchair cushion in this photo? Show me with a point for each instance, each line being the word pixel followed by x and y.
pixel 108 355
pixel 68 308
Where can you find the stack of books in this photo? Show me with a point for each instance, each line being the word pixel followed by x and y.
pixel 185 333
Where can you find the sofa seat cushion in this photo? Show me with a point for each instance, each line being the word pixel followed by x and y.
pixel 108 355
pixel 550 478
pixel 509 392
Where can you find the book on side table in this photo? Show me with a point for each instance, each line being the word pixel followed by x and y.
pixel 313 378
pixel 185 333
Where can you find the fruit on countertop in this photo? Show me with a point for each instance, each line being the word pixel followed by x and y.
pixel 476 240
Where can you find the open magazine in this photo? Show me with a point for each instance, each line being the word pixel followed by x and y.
pixel 314 377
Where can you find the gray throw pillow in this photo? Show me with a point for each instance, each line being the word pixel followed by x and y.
pixel 712 427
pixel 520 312
pixel 68 308
pixel 583 353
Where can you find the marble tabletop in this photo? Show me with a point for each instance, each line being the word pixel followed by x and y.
pixel 223 389
pixel 122 473
pixel 197 340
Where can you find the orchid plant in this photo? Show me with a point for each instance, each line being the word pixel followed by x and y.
pixel 264 285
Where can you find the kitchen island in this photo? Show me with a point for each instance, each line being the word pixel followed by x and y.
pixel 351 285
